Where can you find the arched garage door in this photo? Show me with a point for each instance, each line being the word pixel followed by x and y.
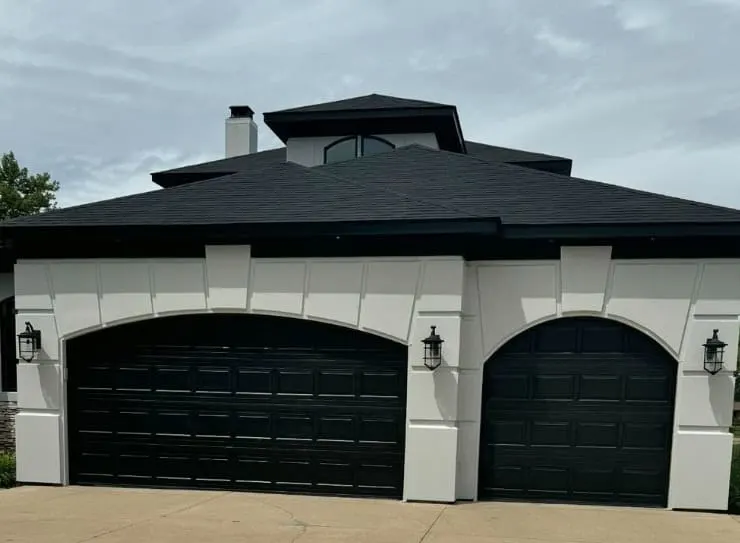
pixel 237 401
pixel 581 410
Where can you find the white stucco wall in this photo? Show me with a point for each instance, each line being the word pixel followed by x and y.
pixel 477 306
pixel 310 151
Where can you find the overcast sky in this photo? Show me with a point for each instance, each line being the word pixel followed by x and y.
pixel 642 93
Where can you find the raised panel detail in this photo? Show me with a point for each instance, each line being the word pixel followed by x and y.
pixel 553 434
pixel 602 388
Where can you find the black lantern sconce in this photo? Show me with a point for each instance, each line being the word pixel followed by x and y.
pixel 714 353
pixel 432 350
pixel 29 343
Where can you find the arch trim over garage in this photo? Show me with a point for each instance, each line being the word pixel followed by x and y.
pixel 578 314
pixel 189 312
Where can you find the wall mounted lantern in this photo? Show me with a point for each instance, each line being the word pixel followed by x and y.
pixel 432 350
pixel 29 342
pixel 714 353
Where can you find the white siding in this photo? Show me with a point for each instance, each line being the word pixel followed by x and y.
pixel 310 151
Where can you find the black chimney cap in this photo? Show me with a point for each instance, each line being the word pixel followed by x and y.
pixel 241 111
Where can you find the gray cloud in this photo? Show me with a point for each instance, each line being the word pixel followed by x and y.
pixel 638 92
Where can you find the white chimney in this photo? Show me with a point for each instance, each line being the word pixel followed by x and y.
pixel 241 132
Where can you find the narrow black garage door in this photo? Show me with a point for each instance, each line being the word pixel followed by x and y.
pixel 580 410
pixel 244 402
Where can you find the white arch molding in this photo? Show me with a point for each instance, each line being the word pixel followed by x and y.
pixel 186 312
pixel 575 314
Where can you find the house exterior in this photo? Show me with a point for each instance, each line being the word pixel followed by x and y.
pixel 258 323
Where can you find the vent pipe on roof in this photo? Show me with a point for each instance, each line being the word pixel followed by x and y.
pixel 241 132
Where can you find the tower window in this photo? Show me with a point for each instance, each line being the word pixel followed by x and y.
pixel 354 147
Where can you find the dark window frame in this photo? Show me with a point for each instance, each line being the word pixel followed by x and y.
pixel 8 359
pixel 359 145
pixel 338 142
pixel 374 138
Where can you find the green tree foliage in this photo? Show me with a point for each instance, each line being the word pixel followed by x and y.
pixel 22 193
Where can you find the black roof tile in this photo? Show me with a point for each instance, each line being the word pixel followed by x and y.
pixel 276 193
pixel 506 154
pixel 518 195
pixel 408 183
pixel 235 164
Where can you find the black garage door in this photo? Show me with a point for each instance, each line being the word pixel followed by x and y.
pixel 580 410
pixel 244 402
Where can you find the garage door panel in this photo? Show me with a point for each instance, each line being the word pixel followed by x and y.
pixel 386 384
pixel 597 434
pixel 213 379
pixel 553 387
pixel 550 434
pixel 337 428
pixel 646 436
pixel 336 383
pixel 375 430
pixel 257 413
pixel 132 378
pixel 600 388
pixel 295 382
pixel 590 424
pixel 648 388
pixel 256 381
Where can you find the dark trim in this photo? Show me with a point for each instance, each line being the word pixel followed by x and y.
pixel 63 242
pixel 167 180
pixel 442 121
pixel 458 130
pixel 469 246
pixel 616 231
pixel 337 142
pixel 240 232
pixel 359 144
pixel 343 114
pixel 362 139
pixel 559 166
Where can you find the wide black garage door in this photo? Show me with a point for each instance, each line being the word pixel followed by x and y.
pixel 580 410
pixel 244 402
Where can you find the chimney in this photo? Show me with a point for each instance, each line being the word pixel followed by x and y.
pixel 241 132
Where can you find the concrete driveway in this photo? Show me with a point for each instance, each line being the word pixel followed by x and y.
pixel 104 515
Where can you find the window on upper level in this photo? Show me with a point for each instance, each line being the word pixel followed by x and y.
pixel 355 146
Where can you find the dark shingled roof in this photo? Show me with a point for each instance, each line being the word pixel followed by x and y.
pixel 239 163
pixel 363 103
pixel 234 164
pixel 517 195
pixel 506 154
pixel 277 193
pixel 407 183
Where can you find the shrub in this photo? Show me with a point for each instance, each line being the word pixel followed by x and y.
pixel 7 470
pixel 735 481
